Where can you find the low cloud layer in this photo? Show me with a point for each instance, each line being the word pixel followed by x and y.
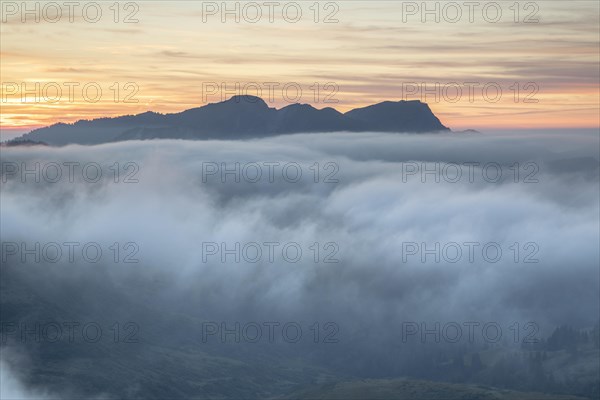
pixel 367 208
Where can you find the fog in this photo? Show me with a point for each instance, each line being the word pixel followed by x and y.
pixel 13 388
pixel 371 208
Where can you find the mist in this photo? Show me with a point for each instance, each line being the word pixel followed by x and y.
pixel 375 204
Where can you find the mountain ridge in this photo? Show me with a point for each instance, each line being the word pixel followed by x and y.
pixel 242 117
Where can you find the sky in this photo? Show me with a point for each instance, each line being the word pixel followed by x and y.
pixel 490 65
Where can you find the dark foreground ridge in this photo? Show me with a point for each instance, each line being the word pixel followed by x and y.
pixel 242 117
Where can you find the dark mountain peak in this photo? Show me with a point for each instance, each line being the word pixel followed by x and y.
pixel 398 116
pixel 307 109
pixel 297 118
pixel 389 104
pixel 148 114
pixel 243 117
pixel 298 108
pixel 246 99
pixel 400 102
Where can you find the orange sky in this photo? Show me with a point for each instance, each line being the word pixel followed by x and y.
pixel 367 51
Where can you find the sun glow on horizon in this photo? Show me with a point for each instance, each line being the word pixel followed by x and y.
pixel 472 74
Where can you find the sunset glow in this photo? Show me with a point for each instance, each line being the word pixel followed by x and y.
pixel 547 70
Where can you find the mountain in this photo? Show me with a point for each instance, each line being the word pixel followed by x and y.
pixel 298 118
pixel 22 143
pixel 401 389
pixel 242 117
pixel 410 116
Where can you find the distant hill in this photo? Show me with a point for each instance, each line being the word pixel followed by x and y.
pixel 405 389
pixel 242 117
pixel 21 143
pixel 167 363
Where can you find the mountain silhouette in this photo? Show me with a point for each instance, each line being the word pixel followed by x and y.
pixel 243 117
pixel 389 116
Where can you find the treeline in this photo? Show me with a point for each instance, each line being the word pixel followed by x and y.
pixel 567 362
pixel 566 338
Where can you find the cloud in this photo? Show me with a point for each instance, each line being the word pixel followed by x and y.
pixel 368 217
pixel 12 388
